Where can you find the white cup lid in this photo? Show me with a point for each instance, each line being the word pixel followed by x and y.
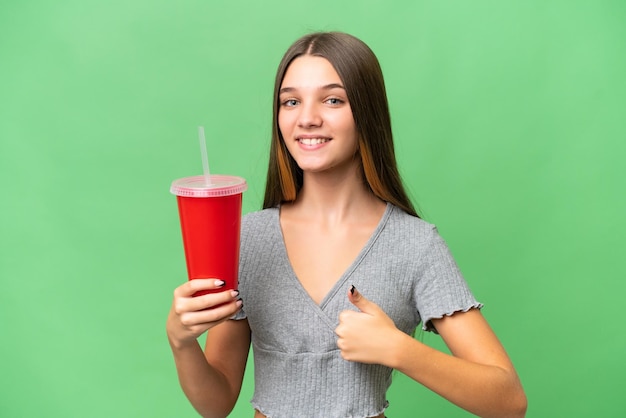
pixel 220 186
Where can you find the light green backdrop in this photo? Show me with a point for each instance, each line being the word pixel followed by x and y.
pixel 509 121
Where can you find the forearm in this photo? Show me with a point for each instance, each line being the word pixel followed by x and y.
pixel 484 390
pixel 205 386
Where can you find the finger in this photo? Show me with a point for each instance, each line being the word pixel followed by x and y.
pixel 219 313
pixel 205 284
pixel 342 330
pixel 184 304
pixel 344 316
pixel 361 302
pixel 212 300
pixel 190 287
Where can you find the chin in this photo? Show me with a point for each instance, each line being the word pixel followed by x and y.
pixel 313 167
pixel 314 170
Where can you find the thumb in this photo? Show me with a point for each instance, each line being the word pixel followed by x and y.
pixel 361 302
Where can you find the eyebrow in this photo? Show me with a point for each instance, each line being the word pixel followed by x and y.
pixel 325 87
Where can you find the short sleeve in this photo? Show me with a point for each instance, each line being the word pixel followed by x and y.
pixel 241 314
pixel 441 289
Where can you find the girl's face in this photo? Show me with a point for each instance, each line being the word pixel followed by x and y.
pixel 315 117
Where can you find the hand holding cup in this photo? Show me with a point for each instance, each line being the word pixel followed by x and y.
pixel 191 316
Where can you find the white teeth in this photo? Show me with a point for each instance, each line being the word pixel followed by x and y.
pixel 312 141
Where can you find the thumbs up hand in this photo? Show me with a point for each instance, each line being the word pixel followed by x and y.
pixel 367 336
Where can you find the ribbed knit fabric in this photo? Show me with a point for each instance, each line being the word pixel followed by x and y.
pixel 405 268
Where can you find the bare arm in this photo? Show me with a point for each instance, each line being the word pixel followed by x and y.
pixel 478 377
pixel 211 380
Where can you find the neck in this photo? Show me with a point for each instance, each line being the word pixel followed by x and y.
pixel 336 197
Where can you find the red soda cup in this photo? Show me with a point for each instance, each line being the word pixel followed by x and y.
pixel 210 221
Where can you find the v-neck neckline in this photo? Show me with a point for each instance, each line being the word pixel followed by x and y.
pixel 339 284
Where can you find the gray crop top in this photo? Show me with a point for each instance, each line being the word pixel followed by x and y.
pixel 405 267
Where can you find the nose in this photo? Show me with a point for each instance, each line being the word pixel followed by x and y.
pixel 309 116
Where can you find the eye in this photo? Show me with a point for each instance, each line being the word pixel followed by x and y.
pixel 335 101
pixel 289 102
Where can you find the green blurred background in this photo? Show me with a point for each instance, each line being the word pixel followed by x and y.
pixel 509 118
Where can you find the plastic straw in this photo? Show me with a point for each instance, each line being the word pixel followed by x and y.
pixel 205 158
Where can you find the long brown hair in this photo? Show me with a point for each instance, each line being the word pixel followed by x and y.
pixel 363 81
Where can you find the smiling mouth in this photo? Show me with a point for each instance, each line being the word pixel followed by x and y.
pixel 313 141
